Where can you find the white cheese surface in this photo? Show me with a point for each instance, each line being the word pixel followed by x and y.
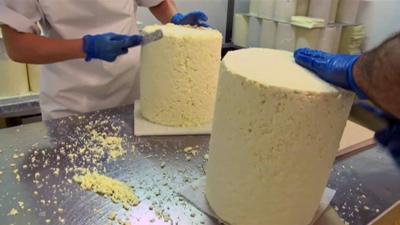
pixel 179 75
pixel 276 131
pixel 34 78
pixel 13 78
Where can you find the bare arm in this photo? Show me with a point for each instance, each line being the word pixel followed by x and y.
pixel 164 11
pixel 34 49
pixel 377 73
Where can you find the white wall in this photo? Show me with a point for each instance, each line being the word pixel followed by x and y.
pixel 215 9
pixel 381 18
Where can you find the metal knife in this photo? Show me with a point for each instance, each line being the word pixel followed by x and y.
pixel 366 118
pixel 151 37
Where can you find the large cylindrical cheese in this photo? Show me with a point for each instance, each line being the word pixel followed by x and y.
pixel 284 10
pixel 266 9
pixel 276 132
pixel 324 9
pixel 330 39
pixel 347 11
pixel 179 75
pixel 285 38
pixel 34 77
pixel 268 33
pixel 308 38
pixel 240 30
pixel 253 7
pixel 13 79
pixel 254 32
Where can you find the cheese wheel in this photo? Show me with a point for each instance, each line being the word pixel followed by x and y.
pixel 284 10
pixel 276 131
pixel 13 79
pixel 254 32
pixel 348 11
pixel 179 75
pixel 266 9
pixel 34 78
pixel 241 25
pixel 268 33
pixel 308 38
pixel 285 37
pixel 324 9
pixel 330 39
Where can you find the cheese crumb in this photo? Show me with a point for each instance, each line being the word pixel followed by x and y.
pixel 13 212
pixel 118 192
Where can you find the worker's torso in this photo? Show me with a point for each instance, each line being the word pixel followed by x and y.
pixel 76 86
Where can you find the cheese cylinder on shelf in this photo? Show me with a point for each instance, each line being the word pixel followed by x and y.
pixel 284 10
pixel 330 39
pixel 13 79
pixel 324 9
pixel 285 37
pixel 276 132
pixel 34 77
pixel 253 8
pixel 308 38
pixel 254 32
pixel 240 30
pixel 179 75
pixel 266 9
pixel 302 7
pixel 268 33
pixel 347 11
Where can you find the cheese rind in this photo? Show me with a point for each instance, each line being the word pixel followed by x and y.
pixel 179 75
pixel 276 131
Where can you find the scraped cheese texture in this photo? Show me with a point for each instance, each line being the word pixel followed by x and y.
pixel 179 75
pixel 13 79
pixel 276 131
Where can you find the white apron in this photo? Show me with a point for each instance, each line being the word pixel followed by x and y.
pixel 76 86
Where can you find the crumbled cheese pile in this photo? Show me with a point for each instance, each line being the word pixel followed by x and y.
pixel 100 145
pixel 118 191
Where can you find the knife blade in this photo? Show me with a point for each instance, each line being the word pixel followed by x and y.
pixel 366 118
pixel 152 37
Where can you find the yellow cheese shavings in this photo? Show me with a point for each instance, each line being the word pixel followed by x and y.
pixel 13 212
pixel 118 191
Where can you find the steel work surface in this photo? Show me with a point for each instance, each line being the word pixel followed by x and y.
pixel 157 168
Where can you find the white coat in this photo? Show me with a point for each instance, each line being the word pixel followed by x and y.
pixel 76 86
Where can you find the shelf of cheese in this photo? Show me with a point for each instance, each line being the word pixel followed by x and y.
pixel 269 22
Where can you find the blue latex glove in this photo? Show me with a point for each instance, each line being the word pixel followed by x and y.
pixel 335 69
pixel 108 46
pixel 194 19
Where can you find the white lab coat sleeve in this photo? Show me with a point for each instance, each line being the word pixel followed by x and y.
pixel 21 15
pixel 148 3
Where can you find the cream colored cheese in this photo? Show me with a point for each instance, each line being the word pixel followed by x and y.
pixel 13 78
pixel 276 132
pixel 34 78
pixel 179 75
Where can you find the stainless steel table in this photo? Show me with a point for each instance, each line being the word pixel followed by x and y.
pixel 20 106
pixel 55 200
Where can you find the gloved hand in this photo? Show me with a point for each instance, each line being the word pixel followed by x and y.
pixel 194 19
pixel 108 46
pixel 335 69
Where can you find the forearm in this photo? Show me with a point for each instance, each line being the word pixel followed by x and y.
pixel 34 49
pixel 378 74
pixel 164 11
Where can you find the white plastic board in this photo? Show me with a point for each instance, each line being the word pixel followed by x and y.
pixel 195 194
pixel 143 127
